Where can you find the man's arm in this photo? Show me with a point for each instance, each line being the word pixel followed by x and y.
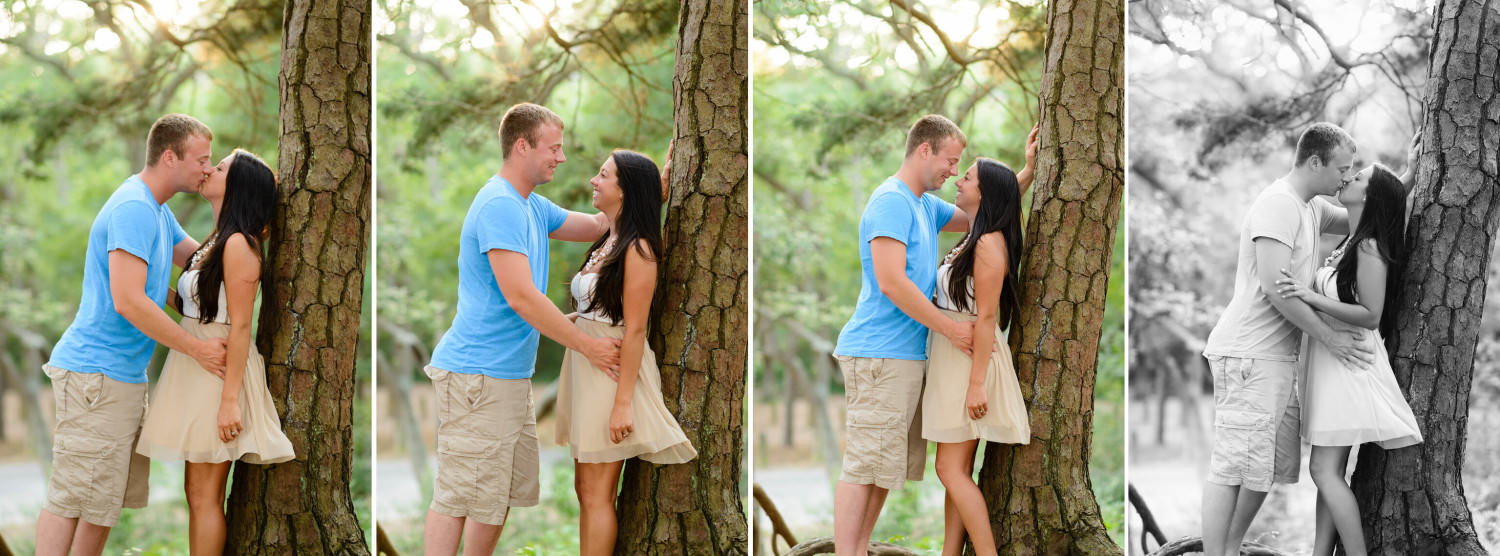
pixel 889 257
pixel 1365 313
pixel 127 287
pixel 1270 257
pixel 580 227
pixel 513 275
pixel 183 251
pixel 958 223
pixel 1335 218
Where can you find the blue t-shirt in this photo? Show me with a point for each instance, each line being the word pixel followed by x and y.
pixel 100 340
pixel 487 336
pixel 878 328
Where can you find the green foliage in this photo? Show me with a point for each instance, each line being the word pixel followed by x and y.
pixel 73 125
pixel 71 133
pixel 1107 454
pixel 828 130
pixel 822 143
pixel 432 165
pixel 360 475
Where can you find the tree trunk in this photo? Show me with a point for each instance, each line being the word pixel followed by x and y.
pixel 700 331
pixel 1412 499
pixel 1039 494
pixel 314 277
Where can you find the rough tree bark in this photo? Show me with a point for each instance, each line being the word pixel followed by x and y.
pixel 1412 499
pixel 1039 495
pixel 699 334
pixel 309 319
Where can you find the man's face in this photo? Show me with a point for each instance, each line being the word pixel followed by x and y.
pixel 548 153
pixel 942 163
pixel 1333 174
pixel 190 168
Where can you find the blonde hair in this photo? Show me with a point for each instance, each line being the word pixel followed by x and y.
pixel 522 121
pixel 171 132
pixel 933 129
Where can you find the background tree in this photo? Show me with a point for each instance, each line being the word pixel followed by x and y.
pixel 1039 494
pixel 309 324
pixel 1412 499
pixel 702 333
pixel 84 81
pixel 837 86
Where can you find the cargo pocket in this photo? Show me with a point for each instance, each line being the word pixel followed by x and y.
pixel 467 472
pixel 439 378
pixel 873 444
pixel 1243 447
pixel 77 461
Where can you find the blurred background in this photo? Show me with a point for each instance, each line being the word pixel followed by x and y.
pixel 83 83
pixel 837 85
pixel 448 70
pixel 1218 95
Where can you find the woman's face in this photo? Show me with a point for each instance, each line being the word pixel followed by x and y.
pixel 213 187
pixel 607 194
pixel 968 189
pixel 1352 193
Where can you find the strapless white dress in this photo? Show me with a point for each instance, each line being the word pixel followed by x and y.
pixel 586 397
pixel 182 422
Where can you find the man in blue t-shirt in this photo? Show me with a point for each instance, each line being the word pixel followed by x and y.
pixel 98 367
pixel 482 367
pixel 882 351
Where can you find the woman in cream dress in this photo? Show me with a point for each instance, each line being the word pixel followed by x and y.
pixel 1344 406
pixel 968 399
pixel 608 418
pixel 200 417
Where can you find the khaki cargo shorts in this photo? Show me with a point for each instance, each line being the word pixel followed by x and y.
pixel 1257 423
pixel 95 470
pixel 883 443
pixel 487 446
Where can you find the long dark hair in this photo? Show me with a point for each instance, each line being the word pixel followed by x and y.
pixel 1384 220
pixel 249 207
pixel 638 225
pixel 999 211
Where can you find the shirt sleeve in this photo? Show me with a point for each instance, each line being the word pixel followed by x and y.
pixel 554 214
pixel 132 228
pixel 178 235
pixel 1276 217
pixel 1324 212
pixel 501 225
pixel 889 216
pixel 939 211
